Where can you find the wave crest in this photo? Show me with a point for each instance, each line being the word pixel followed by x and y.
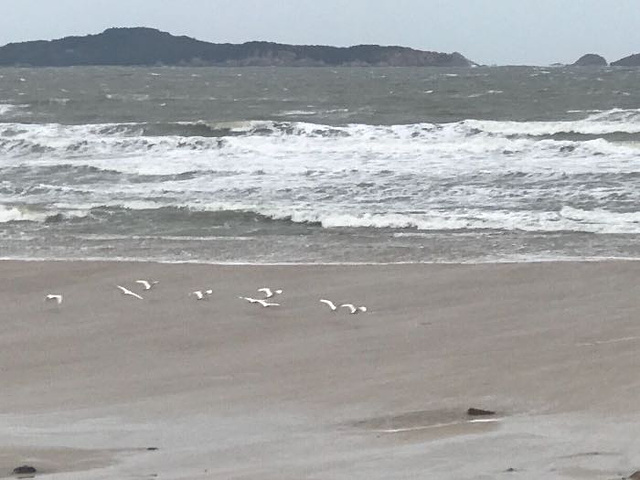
pixel 567 219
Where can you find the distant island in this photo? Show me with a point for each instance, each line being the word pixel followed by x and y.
pixel 591 60
pixel 594 60
pixel 150 47
pixel 630 61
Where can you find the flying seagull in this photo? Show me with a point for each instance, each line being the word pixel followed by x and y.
pixel 54 296
pixel 126 291
pixel 329 303
pixel 352 308
pixel 268 293
pixel 199 294
pixel 147 284
pixel 264 303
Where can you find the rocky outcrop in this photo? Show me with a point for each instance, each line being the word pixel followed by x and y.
pixel 591 60
pixel 630 61
pixel 147 46
pixel 25 470
pixel 479 412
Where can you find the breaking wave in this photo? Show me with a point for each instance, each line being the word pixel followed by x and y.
pixel 470 175
pixel 614 129
pixel 6 108
pixel 600 123
pixel 143 215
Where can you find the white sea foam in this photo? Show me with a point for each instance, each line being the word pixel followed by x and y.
pixel 15 214
pixel 600 123
pixel 470 138
pixel 467 175
pixel 484 94
pixel 567 219
pixel 6 108
pixel 129 97
pixel 296 113
pixel 60 101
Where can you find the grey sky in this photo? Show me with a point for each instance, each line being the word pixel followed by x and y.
pixel 535 32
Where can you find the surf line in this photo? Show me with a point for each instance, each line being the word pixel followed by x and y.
pixel 438 425
pixel 604 342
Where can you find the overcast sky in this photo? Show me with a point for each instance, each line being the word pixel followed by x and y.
pixel 536 32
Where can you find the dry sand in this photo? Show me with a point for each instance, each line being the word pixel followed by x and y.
pixel 229 390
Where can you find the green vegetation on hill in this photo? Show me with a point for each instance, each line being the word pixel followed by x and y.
pixel 147 46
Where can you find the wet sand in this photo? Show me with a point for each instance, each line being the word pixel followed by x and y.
pixel 227 389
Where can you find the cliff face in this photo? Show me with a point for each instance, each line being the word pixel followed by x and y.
pixel 630 61
pixel 147 46
pixel 591 60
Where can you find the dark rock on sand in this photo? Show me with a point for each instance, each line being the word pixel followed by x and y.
pixel 24 470
pixel 152 449
pixel 478 412
pixel 591 60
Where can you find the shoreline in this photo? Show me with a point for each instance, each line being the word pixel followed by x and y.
pixel 320 264
pixel 228 389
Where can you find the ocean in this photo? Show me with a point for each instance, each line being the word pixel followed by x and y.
pixel 305 165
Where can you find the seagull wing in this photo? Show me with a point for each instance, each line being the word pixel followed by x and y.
pixel 198 294
pixel 268 304
pixel 144 283
pixel 267 292
pixel 250 300
pixel 56 297
pixel 126 291
pixel 329 303
pixel 352 308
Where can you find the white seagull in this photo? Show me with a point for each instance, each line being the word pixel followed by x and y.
pixel 198 294
pixel 249 299
pixel 147 284
pixel 54 296
pixel 268 293
pixel 261 302
pixel 126 291
pixel 352 308
pixel 329 303
pixel 268 304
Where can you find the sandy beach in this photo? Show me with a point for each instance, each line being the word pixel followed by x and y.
pixel 225 389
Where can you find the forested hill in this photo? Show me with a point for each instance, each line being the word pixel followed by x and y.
pixel 148 46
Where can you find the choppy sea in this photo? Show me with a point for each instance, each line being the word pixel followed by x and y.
pixel 275 165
